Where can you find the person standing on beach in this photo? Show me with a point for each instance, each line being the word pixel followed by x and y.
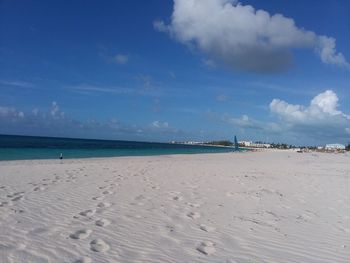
pixel 61 156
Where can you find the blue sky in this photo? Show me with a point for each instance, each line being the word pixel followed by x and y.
pixel 160 70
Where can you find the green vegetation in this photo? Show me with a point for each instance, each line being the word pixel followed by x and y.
pixel 348 147
pixel 282 146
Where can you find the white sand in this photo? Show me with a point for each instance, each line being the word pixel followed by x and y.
pixel 235 207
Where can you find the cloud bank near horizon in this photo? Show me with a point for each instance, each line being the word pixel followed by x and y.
pixel 54 122
pixel 321 121
pixel 243 38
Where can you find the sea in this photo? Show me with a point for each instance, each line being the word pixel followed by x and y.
pixel 13 147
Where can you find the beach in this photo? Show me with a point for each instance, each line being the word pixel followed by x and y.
pixel 265 206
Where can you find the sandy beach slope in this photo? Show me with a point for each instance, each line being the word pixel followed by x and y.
pixel 270 206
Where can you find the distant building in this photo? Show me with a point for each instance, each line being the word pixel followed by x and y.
pixel 335 146
pixel 253 144
pixel 245 143
pixel 193 142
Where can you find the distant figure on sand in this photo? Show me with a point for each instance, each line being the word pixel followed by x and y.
pixel 61 156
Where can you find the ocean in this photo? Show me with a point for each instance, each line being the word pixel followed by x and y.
pixel 13 147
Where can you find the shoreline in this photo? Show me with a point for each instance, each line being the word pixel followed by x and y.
pixel 120 156
pixel 245 150
pixel 136 157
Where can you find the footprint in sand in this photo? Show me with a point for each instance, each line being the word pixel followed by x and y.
pixel 3 204
pixel 98 245
pixel 103 205
pixel 89 212
pixel 17 198
pixel 81 234
pixel 207 248
pixel 39 188
pixel 98 198
pixel 15 194
pixel 194 215
pixel 83 260
pixel 107 192
pixel 102 222
pixel 206 228
pixel 193 205
pixel 177 198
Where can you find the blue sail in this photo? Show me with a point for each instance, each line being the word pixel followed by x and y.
pixel 236 143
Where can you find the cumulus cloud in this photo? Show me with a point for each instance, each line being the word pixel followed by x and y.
pixel 319 122
pixel 322 107
pixel 243 38
pixel 327 52
pixel 55 110
pixel 10 112
pixel 322 116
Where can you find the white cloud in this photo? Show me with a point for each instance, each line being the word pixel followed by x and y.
pixel 321 117
pixel 121 59
pixel 327 52
pixel 17 83
pixel 55 110
pixel 244 38
pixel 10 112
pixel 323 107
pixel 319 122
pixel 159 124
pixel 88 89
pixel 35 111
pixel 6 111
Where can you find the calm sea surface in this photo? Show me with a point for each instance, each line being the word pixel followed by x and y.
pixel 29 147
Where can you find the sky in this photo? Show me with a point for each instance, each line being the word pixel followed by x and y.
pixel 162 70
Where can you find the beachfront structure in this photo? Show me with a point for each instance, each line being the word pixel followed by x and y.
pixel 245 143
pixel 334 146
pixel 254 145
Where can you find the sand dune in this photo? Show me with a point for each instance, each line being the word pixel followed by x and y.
pixel 271 206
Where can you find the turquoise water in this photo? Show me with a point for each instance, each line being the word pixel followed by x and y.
pixel 29 147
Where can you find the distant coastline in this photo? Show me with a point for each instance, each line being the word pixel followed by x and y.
pixel 15 147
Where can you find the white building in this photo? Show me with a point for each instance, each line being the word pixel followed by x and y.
pixel 255 145
pixel 335 146
pixel 245 143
